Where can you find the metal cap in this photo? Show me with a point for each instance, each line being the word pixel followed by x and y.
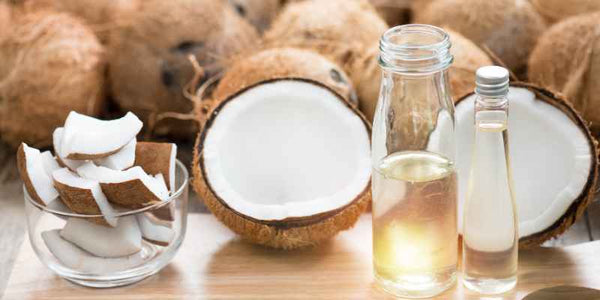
pixel 492 81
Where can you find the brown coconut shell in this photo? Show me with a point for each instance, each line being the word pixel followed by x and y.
pixel 100 15
pixel 80 201
pixel 509 28
pixel 585 197
pixel 22 167
pixel 85 156
pixel 51 64
pixel 154 158
pixel 259 13
pixel 285 63
pixel 557 10
pixel 150 57
pixel 567 59
pixel 347 32
pixel 131 194
pixel 284 234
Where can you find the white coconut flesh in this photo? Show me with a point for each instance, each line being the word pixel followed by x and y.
pixel 173 158
pixel 156 185
pixel 88 136
pixel 121 240
pixel 76 258
pixel 68 178
pixel 286 149
pixel 549 154
pixel 39 168
pixel 121 160
pixel 57 136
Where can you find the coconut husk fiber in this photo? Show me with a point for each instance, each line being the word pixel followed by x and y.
pixel 51 64
pixel 567 60
pixel 149 61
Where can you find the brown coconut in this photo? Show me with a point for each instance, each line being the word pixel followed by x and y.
pixel 509 28
pixel 567 59
pixel 586 196
pixel 259 13
pixel 346 31
pixel 150 56
pixel 285 63
pixel 285 234
pixel 100 15
pixel 51 64
pixel 557 10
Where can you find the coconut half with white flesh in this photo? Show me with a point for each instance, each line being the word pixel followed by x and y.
pixel 158 158
pixel 553 158
pixel 83 196
pixel 86 137
pixel 132 188
pixel 83 261
pixel 36 170
pixel 284 163
pixel 121 240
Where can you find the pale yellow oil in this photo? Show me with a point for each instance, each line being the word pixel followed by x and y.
pixel 414 223
pixel 490 239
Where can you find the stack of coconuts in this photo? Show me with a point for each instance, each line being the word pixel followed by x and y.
pixel 284 91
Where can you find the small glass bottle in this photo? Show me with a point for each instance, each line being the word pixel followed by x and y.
pixel 415 237
pixel 490 238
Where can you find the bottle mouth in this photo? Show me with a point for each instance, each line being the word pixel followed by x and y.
pixel 415 48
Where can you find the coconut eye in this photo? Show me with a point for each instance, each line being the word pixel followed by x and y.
pixel 240 9
pixel 187 46
pixel 166 75
pixel 336 76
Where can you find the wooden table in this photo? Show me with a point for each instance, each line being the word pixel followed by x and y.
pixel 213 264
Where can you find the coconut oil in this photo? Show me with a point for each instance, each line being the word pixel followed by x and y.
pixel 414 223
pixel 490 239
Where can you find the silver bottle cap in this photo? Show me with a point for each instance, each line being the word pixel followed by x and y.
pixel 492 81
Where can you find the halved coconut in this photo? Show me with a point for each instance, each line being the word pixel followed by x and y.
pixel 154 231
pixel 553 159
pixel 83 261
pixel 86 137
pixel 124 239
pixel 35 169
pixel 121 160
pixel 509 28
pixel 158 158
pixel 62 161
pixel 285 163
pixel 132 188
pixel 83 196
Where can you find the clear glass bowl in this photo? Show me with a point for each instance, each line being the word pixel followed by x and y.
pixel 91 270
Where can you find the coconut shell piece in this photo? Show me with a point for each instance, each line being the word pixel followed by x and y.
pixel 566 59
pixel 289 233
pixel 131 194
pixel 347 32
pixel 26 177
pixel 585 197
pixel 285 63
pixel 485 23
pixel 157 158
pixel 51 64
pixel 151 55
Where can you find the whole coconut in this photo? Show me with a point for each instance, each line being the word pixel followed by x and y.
pixel 99 14
pixel 150 56
pixel 510 28
pixel 51 63
pixel 556 10
pixel 259 13
pixel 348 32
pixel 567 59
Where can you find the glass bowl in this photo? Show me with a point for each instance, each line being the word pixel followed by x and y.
pixel 157 231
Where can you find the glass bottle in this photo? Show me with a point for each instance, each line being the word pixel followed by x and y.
pixel 414 180
pixel 490 239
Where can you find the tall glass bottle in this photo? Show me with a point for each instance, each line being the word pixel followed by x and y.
pixel 490 239
pixel 414 178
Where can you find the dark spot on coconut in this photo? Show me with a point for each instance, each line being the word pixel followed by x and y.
pixel 240 9
pixel 187 46
pixel 346 57
pixel 337 76
pixel 309 35
pixel 167 75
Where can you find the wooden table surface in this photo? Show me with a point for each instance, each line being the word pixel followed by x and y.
pixel 213 264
